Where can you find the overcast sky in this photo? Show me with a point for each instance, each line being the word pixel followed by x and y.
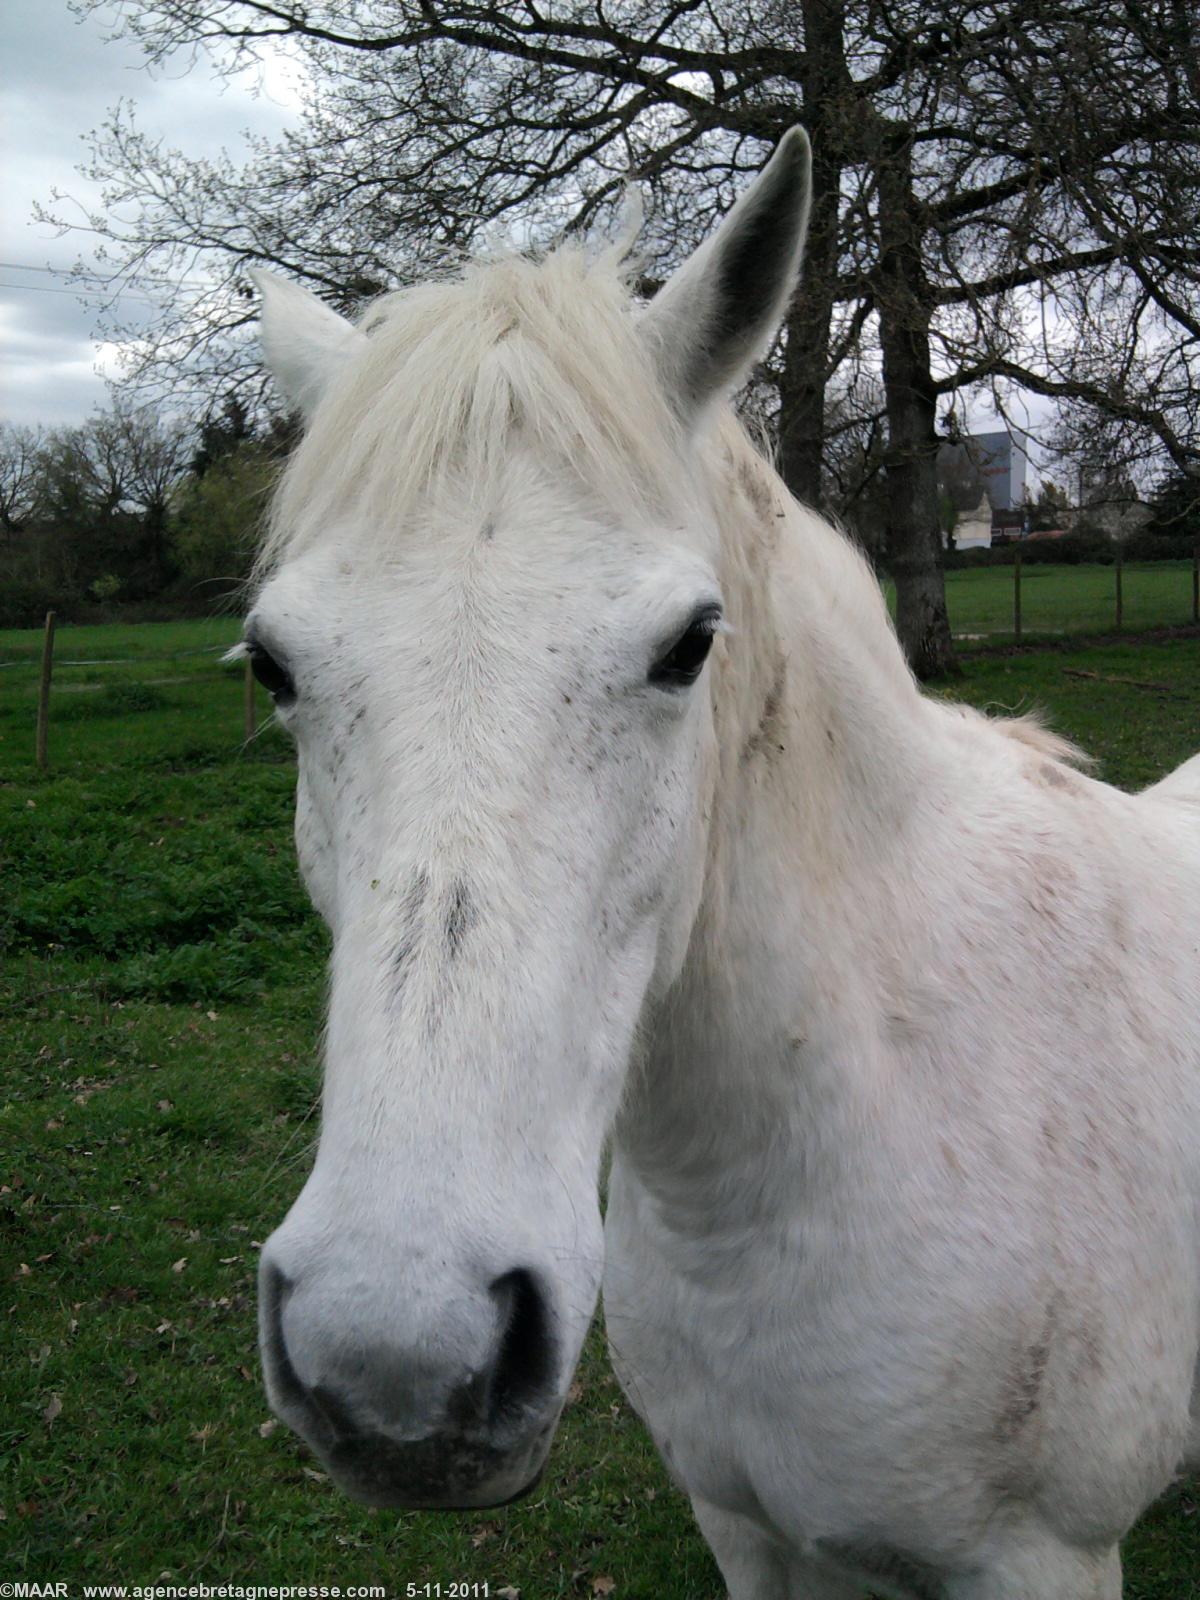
pixel 61 78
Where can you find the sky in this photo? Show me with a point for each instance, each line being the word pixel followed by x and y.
pixel 61 78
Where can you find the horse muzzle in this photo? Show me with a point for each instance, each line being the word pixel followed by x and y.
pixel 409 1404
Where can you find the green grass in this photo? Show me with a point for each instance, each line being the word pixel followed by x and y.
pixel 160 998
pixel 1057 601
pixel 116 641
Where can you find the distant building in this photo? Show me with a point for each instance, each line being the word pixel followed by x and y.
pixel 982 471
pixel 1109 503
pixel 1004 468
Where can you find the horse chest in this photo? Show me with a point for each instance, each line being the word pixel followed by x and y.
pixel 768 1397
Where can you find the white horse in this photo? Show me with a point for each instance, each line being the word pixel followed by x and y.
pixel 629 822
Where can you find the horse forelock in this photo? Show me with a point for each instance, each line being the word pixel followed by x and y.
pixel 452 371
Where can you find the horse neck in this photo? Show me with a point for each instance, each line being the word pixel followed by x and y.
pixel 825 741
pixel 825 756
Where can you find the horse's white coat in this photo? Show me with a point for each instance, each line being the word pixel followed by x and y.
pixel 894 1015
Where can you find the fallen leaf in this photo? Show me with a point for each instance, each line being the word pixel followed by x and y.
pixel 179 1265
pixel 508 1593
pixel 603 1584
pixel 53 1410
pixel 211 1015
pixel 575 1393
pixel 166 1105
pixel 266 1429
pixel 484 1532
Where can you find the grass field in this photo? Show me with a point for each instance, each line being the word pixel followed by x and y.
pixel 1066 600
pixel 160 996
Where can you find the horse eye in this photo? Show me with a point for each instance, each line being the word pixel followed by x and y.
pixel 275 679
pixel 682 663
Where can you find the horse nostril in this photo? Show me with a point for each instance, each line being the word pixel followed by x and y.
pixel 274 1289
pixel 524 1366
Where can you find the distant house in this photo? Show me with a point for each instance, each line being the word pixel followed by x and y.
pixel 1109 504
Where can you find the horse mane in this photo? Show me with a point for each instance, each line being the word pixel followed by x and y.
pixel 1030 729
pixel 453 370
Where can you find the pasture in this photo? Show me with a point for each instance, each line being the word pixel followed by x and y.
pixel 1065 600
pixel 161 994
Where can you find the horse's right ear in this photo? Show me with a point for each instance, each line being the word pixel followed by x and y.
pixel 716 315
pixel 305 343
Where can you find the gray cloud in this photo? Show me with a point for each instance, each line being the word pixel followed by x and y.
pixel 62 78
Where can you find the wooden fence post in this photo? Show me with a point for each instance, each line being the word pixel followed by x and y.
pixel 1120 567
pixel 43 706
pixel 1017 590
pixel 1196 580
pixel 248 701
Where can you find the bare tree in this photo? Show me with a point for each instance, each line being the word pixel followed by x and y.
pixel 111 480
pixel 20 449
pixel 1081 282
pixel 967 173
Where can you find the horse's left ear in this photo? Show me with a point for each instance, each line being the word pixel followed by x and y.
pixel 305 342
pixel 718 312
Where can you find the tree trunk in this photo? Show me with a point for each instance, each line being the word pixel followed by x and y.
pixel 914 526
pixel 829 98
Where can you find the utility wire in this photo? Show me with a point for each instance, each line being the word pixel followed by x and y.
pixel 77 294
pixel 65 272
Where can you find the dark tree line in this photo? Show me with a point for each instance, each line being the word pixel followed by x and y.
pixel 1006 197
pixel 129 509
